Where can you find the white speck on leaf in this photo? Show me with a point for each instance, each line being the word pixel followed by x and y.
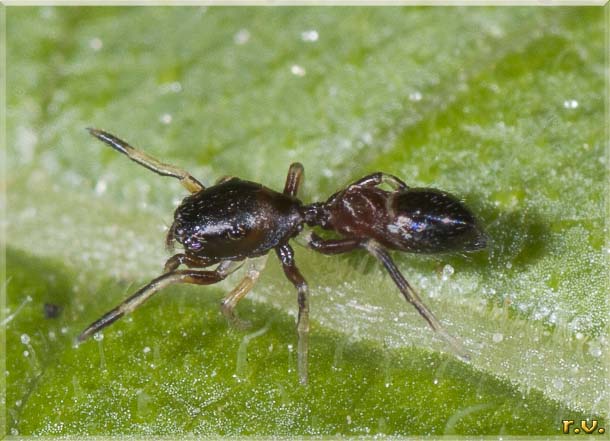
pixel 310 35
pixel 297 70
pixel 166 118
pixel 415 96
pixel 96 44
pixel 241 37
pixel 570 104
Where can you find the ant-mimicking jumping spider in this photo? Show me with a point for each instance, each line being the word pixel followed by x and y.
pixel 236 219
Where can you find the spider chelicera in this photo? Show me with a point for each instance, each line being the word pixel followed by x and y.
pixel 235 219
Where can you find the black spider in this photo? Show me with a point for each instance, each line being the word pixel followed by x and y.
pixel 236 219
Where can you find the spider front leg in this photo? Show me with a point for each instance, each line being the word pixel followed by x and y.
pixel 412 297
pixel 286 256
pixel 189 182
pixel 183 276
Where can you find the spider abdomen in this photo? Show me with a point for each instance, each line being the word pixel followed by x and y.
pixel 427 220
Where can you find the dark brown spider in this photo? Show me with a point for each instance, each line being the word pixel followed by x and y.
pixel 236 219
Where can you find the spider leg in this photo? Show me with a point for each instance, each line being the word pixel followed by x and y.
pixel 189 182
pixel 294 179
pixel 223 179
pixel 332 246
pixel 246 284
pixel 412 297
pixel 131 303
pixel 185 259
pixel 286 256
pixel 379 178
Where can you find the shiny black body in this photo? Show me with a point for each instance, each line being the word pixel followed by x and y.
pixel 415 220
pixel 236 219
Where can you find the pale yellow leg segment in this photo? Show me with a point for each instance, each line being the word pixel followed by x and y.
pixel 223 179
pixel 241 290
pixel 189 182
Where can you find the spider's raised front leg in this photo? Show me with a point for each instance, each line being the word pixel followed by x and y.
pixel 189 182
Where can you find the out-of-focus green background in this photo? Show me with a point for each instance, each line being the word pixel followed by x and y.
pixel 503 107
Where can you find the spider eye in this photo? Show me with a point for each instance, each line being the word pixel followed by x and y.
pixel 194 244
pixel 236 232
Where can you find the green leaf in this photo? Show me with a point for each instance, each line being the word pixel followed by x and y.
pixel 500 106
